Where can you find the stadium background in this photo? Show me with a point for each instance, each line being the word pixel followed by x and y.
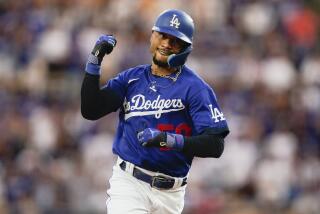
pixel 262 58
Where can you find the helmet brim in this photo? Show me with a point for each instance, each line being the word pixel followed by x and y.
pixel 174 33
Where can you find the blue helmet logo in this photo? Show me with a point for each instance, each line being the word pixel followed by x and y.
pixel 178 24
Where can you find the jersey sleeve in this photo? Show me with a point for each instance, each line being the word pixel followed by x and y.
pixel 118 84
pixel 206 113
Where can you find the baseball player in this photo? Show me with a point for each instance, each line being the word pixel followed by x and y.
pixel 168 115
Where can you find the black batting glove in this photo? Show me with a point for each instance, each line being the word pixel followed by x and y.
pixel 154 138
pixel 104 45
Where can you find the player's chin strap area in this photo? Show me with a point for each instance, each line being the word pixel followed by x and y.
pixel 175 60
pixel 156 180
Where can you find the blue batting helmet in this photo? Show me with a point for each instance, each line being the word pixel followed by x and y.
pixel 178 24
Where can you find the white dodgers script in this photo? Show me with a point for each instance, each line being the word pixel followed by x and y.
pixel 140 106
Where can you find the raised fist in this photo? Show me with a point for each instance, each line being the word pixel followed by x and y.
pixel 104 45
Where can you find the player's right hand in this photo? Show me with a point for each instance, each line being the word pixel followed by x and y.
pixel 104 45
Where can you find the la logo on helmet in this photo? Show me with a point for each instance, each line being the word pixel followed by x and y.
pixel 174 21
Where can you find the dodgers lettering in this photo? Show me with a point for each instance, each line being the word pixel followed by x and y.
pixel 156 107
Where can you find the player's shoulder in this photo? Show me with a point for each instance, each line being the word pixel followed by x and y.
pixel 194 78
pixel 196 83
pixel 137 69
pixel 134 72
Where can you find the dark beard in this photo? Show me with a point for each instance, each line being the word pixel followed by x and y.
pixel 159 63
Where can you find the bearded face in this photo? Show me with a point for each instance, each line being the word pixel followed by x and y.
pixel 162 46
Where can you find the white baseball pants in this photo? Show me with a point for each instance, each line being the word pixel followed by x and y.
pixel 128 195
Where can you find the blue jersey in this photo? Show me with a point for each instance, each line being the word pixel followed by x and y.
pixel 186 106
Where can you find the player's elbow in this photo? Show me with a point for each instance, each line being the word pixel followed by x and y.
pixel 211 152
pixel 88 114
pixel 215 147
pixel 217 152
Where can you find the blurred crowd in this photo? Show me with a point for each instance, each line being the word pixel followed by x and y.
pixel 262 57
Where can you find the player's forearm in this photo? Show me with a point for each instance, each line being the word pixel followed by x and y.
pixel 96 103
pixel 204 146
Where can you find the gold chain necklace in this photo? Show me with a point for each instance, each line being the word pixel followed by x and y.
pixel 170 77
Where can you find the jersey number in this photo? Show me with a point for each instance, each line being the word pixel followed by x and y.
pixel 216 114
pixel 182 128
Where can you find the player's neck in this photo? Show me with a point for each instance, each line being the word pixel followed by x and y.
pixel 160 71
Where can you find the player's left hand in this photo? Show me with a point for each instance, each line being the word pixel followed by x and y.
pixel 154 138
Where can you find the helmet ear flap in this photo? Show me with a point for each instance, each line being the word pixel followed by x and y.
pixel 175 60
